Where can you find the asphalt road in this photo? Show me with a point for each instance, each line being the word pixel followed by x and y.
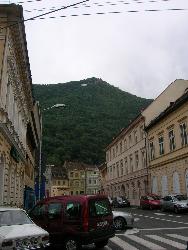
pixel 153 230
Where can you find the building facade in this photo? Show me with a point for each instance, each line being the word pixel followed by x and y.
pixel 19 138
pixel 168 149
pixel 126 163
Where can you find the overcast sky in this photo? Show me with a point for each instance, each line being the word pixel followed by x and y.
pixel 141 52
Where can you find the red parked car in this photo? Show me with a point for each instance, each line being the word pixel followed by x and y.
pixel 150 201
pixel 73 221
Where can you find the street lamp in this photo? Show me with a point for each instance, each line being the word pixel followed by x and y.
pixel 57 105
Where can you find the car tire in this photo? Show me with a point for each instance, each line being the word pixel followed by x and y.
pixel 119 223
pixel 101 244
pixel 176 210
pixel 150 207
pixel 71 244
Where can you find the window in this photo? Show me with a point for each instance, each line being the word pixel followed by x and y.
pixel 59 183
pixel 161 145
pixel 117 166
pixel 113 152
pixel 38 211
pixel 120 147
pixel 141 132
pixel 125 144
pixel 131 163
pixel 135 136
pixel 183 132
pixel 73 209
pixel 99 208
pixel 54 209
pixel 76 175
pixel 171 140
pixel 121 167
pixel 130 140
pixel 116 150
pixel 143 159
pixel 126 166
pixel 151 146
pixel 71 174
pixel 136 159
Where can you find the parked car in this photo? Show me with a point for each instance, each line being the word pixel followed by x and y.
pixel 150 201
pixel 75 220
pixel 17 231
pixel 110 200
pixel 122 220
pixel 174 202
pixel 120 201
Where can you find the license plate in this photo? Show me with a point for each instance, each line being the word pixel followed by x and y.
pixel 102 223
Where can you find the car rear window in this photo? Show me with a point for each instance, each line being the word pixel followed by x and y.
pixel 99 208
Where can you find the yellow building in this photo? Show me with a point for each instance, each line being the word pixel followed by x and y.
pixel 168 148
pixel 59 182
pixel 19 116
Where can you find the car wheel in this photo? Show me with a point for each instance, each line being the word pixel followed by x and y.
pixel 176 210
pixel 119 223
pixel 101 244
pixel 72 244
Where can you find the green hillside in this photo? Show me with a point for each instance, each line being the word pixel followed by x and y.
pixel 95 112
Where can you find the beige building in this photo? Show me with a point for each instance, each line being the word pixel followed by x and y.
pixel 168 148
pixel 126 163
pixel 60 182
pixel 83 178
pixel 19 137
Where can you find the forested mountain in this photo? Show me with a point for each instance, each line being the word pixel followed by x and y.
pixel 95 112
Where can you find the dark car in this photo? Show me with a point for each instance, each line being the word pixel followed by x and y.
pixel 75 220
pixel 120 201
pixel 150 201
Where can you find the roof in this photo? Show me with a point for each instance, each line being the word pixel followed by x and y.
pixel 172 107
pixel 75 165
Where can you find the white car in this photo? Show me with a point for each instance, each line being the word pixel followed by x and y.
pixel 19 232
pixel 122 219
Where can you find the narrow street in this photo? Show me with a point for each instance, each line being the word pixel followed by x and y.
pixel 153 230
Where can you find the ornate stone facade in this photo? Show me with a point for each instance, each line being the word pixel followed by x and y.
pixel 18 138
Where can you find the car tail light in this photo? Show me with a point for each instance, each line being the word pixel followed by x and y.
pixel 45 238
pixel 7 243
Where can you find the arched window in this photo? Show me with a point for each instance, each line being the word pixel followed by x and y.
pixel 176 184
pixel 154 185
pixel 164 185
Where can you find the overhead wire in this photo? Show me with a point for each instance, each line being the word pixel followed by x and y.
pixel 47 13
pixel 99 4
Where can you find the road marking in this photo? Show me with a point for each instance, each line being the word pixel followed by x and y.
pixel 159 214
pixel 156 218
pixel 168 242
pixel 177 236
pixel 170 215
pixel 136 219
pixel 145 243
pixel 121 243
pixel 162 228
